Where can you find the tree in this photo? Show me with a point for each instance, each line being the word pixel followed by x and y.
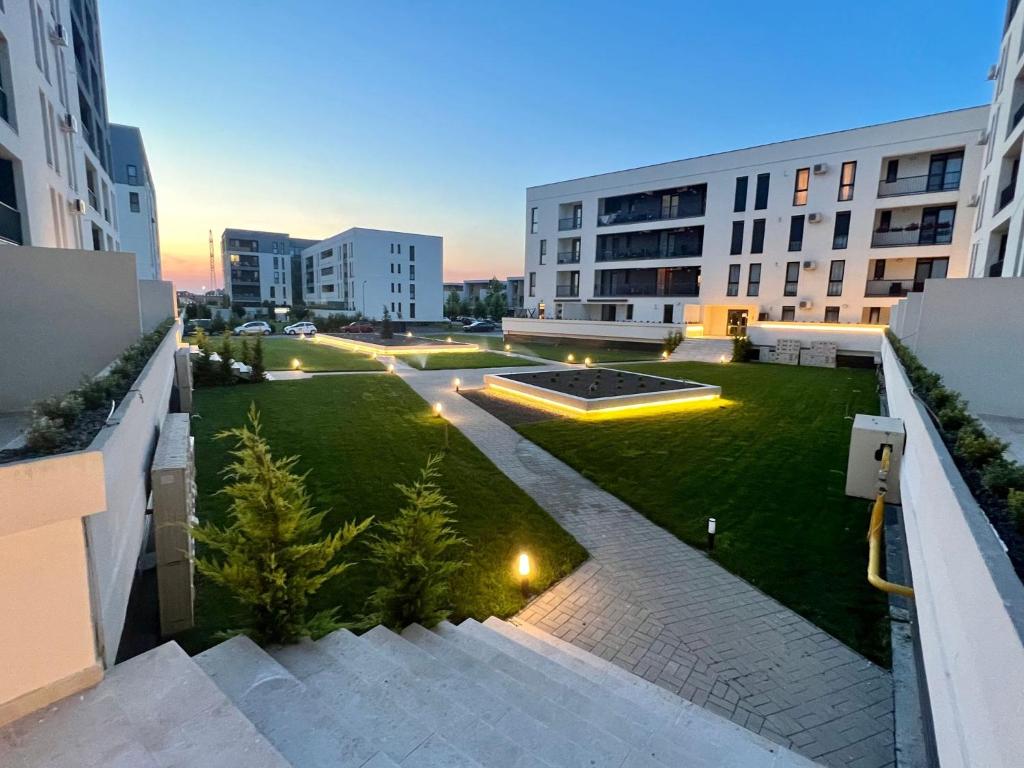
pixel 257 373
pixel 273 556
pixel 238 310
pixel 386 330
pixel 496 303
pixel 202 367
pixel 217 325
pixel 245 351
pixel 225 374
pixel 414 556
pixel 452 305
pixel 478 310
pixel 191 311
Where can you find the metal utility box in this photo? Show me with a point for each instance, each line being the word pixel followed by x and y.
pixel 870 433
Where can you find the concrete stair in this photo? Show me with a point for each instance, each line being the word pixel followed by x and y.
pixel 489 694
pixel 703 350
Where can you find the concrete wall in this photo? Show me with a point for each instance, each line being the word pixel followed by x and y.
pixel 969 601
pixel 65 313
pixel 972 333
pixel 157 302
pixel 590 329
pixel 850 338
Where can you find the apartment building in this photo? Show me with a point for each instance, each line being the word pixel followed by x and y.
pixel 261 266
pixel 368 270
pixel 514 291
pixel 135 197
pixel 55 156
pixel 831 228
pixel 997 244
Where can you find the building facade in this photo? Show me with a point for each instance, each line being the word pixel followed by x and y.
pixel 55 159
pixel 258 266
pixel 831 228
pixel 135 197
pixel 367 270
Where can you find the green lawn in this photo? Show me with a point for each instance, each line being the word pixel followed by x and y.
pixel 437 361
pixel 357 436
pixel 560 349
pixel 769 463
pixel 279 351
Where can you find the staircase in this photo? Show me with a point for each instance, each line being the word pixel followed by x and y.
pixel 703 350
pixel 489 694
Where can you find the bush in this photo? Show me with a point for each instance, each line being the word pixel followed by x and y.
pixel 45 435
pixel 237 310
pixel 386 329
pixel 217 325
pixel 414 557
pixel 258 373
pixel 742 349
pixel 202 367
pixel 64 411
pixel 245 351
pixel 1002 476
pixel 672 341
pixel 1015 506
pixel 976 448
pixel 954 417
pixel 273 556
pixel 95 392
pixel 225 374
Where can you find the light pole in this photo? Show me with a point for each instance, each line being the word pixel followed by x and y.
pixel 364 299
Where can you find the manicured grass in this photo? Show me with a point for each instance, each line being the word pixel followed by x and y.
pixel 437 361
pixel 279 351
pixel 560 349
pixel 357 436
pixel 769 463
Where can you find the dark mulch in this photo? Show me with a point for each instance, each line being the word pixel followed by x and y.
pixel 80 437
pixel 398 340
pixel 592 383
pixel 510 412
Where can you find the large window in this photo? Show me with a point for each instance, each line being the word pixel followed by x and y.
pixel 754 280
pixel 733 288
pixel 835 277
pixel 761 193
pixel 543 251
pixel 847 177
pixel 792 278
pixel 796 233
pixel 133 201
pixel 841 233
pixel 736 246
pixel 533 283
pixel 831 314
pixel 533 221
pixel 740 202
pixel 800 185
pixel 788 314
pixel 757 237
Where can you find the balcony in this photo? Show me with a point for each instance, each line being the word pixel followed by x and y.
pixel 666 281
pixel 10 225
pixel 1006 195
pixel 679 243
pixel 93 200
pixel 657 205
pixel 567 291
pixel 1015 120
pixel 917 185
pixel 894 288
pixel 573 222
pixel 568 257
pixel 941 234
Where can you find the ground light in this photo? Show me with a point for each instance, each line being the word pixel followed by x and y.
pixel 296 364
pixel 523 567
pixel 586 362
pixel 456 382
pixel 391 367
pixel 438 409
pixel 508 347
pixel 408 334
pixel 712 528
pixel 722 359
pixel 664 355
pixel 571 358
pixel 449 339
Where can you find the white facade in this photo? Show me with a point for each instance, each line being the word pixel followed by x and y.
pixel 55 187
pixel 366 270
pixel 258 266
pixel 135 200
pixel 790 231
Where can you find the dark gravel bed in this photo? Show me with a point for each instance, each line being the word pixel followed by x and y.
pixel 592 383
pixel 79 438
pixel 398 340
pixel 508 411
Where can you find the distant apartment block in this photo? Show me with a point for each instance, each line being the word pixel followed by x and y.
pixel 515 291
pixel 471 289
pixel 260 267
pixel 136 200
pixel 55 149
pixel 368 270
pixel 830 228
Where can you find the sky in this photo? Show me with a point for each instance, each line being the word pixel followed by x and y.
pixel 312 117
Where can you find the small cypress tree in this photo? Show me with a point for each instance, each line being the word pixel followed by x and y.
pixel 273 556
pixel 202 367
pixel 386 330
pixel 257 373
pixel 414 556
pixel 224 372
pixel 245 351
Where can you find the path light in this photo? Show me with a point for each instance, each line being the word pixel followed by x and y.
pixel 664 355
pixel 508 347
pixel 296 364
pixel 438 409
pixel 455 383
pixel 391 367
pixel 722 359
pixel 408 334
pixel 523 566
pixel 712 526
pixel 571 358
pixel 586 362
pixel 449 339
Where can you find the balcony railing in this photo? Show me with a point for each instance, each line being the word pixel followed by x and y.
pixel 10 224
pixel 568 257
pixel 1006 195
pixel 1017 116
pixel 897 288
pixel 646 290
pixel 93 200
pixel 916 185
pixel 646 253
pixel 941 235
pixel 631 217
pixel 573 222
pixel 567 291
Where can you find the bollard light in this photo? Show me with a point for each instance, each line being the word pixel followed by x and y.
pixel 586 362
pixel 449 339
pixel 523 566
pixel 391 367
pixel 408 334
pixel 571 358
pixel 712 527
pixel 664 355
pixel 438 409
pixel 722 359
pixel 296 364
pixel 455 383
pixel 508 347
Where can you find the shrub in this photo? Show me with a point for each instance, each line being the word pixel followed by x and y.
pixel 273 556
pixel 225 374
pixel 672 341
pixel 202 367
pixel 954 417
pixel 45 435
pixel 217 325
pixel 95 392
pixel 237 310
pixel 64 411
pixel 1015 506
pixel 414 557
pixel 386 330
pixel 257 373
pixel 940 398
pixel 977 449
pixel 742 349
pixel 191 311
pixel 1002 476
pixel 245 351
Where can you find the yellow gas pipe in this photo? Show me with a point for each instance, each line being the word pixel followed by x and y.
pixel 875 534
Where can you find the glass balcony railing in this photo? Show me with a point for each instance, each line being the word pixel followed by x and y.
pixel 10 225
pixel 915 235
pixel 631 254
pixel 568 257
pixel 690 289
pixel 895 288
pixel 917 185
pixel 573 222
pixel 567 291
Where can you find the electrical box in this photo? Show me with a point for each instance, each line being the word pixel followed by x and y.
pixel 870 435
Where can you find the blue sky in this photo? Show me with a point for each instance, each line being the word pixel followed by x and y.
pixel 311 117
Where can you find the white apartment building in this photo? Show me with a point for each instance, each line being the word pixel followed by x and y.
pixel 136 200
pixel 366 270
pixel 830 228
pixel 260 267
pixel 55 160
pixel 997 247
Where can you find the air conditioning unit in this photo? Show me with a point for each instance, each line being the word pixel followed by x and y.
pixel 982 137
pixel 815 218
pixel 69 123
pixel 806 304
pixel 820 168
pixel 78 205
pixel 993 72
pixel 973 202
pixel 59 35
pixel 810 265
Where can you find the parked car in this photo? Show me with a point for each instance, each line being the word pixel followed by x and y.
pixel 480 326
pixel 305 327
pixel 191 325
pixel 465 319
pixel 254 328
pixel 360 326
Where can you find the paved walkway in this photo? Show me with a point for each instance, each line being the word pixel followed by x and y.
pixel 663 610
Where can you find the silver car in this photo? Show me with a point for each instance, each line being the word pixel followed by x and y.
pixel 305 327
pixel 254 328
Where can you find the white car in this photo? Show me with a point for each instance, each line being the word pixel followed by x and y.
pixel 254 328
pixel 304 327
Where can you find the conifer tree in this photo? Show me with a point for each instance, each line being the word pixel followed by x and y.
pixel 202 368
pixel 257 373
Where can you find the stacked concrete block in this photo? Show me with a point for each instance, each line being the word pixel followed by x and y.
pixel 787 351
pixel 822 354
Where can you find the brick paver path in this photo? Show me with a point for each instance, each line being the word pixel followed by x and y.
pixel 655 606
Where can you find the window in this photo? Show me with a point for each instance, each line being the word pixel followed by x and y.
pixel 392 250
pixel 46 130
pixel 761 193
pixel 5 78
pixel 392 265
pixel 800 184
pixel 533 283
pixel 533 221
pixel 831 314
pixel 740 201
pixel 412 291
pixel 879 271
pixel 543 251
pixel 273 249
pixel 733 288
pixel 412 257
pixel 327 288
pixel 736 246
pixel 788 314
pixel 398 268
pixel 398 249
pixel 412 271
pixel 792 278
pixel 847 176
pixel 757 237
pixel 841 233
pixel 874 315
pixel 412 307
pixel 133 174
pixel 272 292
pixel 835 278
pixel 796 233
pixel 133 201
pixel 892 171
pixel 754 280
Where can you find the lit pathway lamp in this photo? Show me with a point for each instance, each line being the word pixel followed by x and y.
pixel 571 358
pixel 296 364
pixel 586 362
pixel 523 567
pixel 456 382
pixel 391 367
pixel 508 347
pixel 664 355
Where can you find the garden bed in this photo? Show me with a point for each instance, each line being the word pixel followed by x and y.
pixel 399 344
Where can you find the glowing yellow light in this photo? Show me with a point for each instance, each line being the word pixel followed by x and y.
pixel 571 358
pixel 555 405
pixel 664 355
pixel 722 359
pixel 586 361
pixel 408 334
pixel 456 382
pixel 391 367
pixel 438 409
pixel 449 339
pixel 508 347
pixel 830 327
pixel 368 348
pixel 524 564
pixel 296 364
